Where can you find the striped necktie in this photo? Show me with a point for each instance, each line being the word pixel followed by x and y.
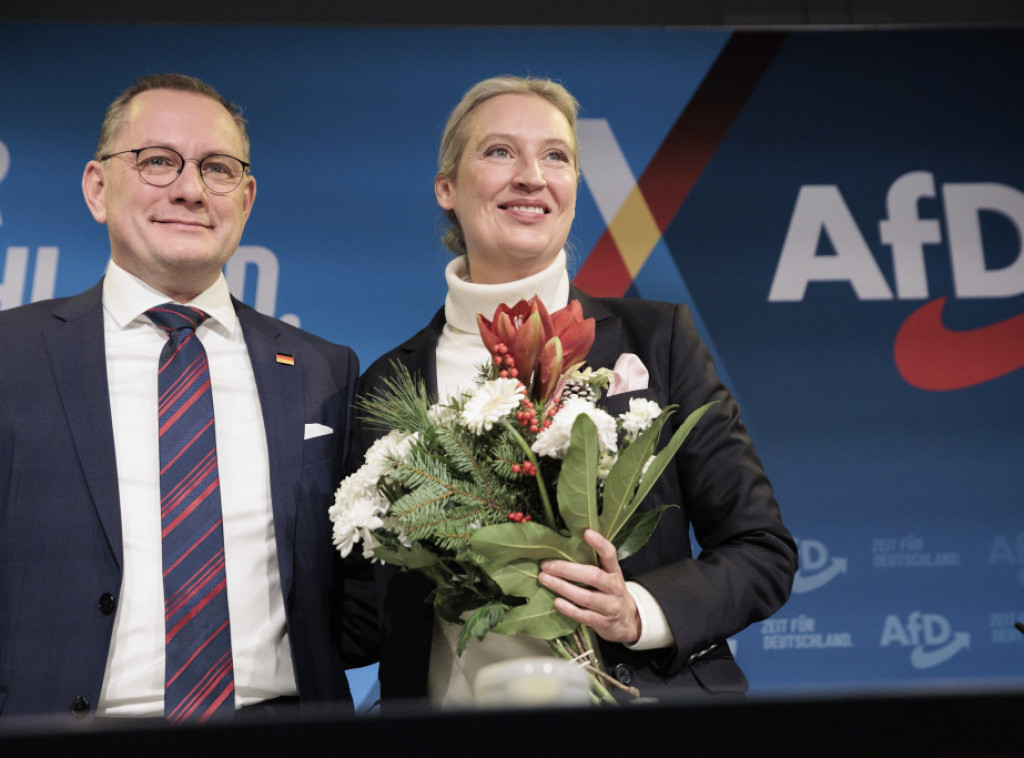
pixel 199 675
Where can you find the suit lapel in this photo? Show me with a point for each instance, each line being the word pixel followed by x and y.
pixel 282 401
pixel 75 346
pixel 419 353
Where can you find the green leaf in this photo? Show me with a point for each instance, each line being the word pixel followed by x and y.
pixel 480 623
pixel 518 579
pixel 628 484
pixel 503 544
pixel 577 481
pixel 638 530
pixel 537 618
pixel 664 457
pixel 415 557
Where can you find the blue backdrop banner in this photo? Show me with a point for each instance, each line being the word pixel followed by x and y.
pixel 844 212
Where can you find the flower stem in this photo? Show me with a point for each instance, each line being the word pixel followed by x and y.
pixel 573 649
pixel 549 512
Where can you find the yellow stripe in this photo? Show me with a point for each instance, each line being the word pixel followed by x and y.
pixel 635 231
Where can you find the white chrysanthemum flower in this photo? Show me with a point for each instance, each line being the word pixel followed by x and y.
pixel 355 516
pixel 605 465
pixel 441 413
pixel 387 450
pixel 639 417
pixel 491 402
pixel 554 441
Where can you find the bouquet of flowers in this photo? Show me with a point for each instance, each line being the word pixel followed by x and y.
pixel 476 492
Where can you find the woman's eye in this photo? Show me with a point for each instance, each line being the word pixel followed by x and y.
pixel 558 155
pixel 499 152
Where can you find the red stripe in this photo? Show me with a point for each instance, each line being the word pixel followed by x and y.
pixel 197 393
pixel 200 649
pixel 603 273
pixel 194 611
pixel 194 545
pixel 211 571
pixel 188 481
pixel 204 474
pixel 687 150
pixel 197 697
pixel 189 444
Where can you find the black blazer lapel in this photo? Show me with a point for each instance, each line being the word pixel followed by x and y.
pixel 75 346
pixel 419 353
pixel 282 401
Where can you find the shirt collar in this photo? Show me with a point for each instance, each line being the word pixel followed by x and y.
pixel 465 298
pixel 126 298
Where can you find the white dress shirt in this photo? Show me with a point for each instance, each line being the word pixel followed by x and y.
pixel 133 684
pixel 460 350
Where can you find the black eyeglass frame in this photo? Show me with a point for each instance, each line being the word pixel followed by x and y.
pixel 198 161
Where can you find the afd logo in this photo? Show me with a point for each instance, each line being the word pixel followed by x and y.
pixel 817 567
pixel 1008 550
pixel 927 353
pixel 930 636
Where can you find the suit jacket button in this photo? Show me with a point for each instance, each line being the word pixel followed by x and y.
pixel 79 706
pixel 107 603
pixel 623 673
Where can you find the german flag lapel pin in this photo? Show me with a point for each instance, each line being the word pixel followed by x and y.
pixel 287 360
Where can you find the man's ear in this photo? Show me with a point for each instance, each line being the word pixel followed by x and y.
pixel 248 190
pixel 94 181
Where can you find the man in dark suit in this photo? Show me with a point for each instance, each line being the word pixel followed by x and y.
pixel 82 599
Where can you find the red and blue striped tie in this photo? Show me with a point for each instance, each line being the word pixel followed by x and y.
pixel 199 679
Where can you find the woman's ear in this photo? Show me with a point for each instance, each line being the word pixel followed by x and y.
pixel 444 190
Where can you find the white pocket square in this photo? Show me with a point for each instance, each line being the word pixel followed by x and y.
pixel 629 375
pixel 316 430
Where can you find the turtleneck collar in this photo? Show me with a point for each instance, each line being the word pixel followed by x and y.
pixel 465 299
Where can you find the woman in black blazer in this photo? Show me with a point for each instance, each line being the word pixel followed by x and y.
pixel 507 181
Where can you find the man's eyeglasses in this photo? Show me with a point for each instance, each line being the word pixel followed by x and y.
pixel 160 166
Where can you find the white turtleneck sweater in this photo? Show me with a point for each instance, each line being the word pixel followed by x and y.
pixel 460 351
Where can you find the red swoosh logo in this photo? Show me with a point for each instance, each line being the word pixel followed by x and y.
pixel 931 356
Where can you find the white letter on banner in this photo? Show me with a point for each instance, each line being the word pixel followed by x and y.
pixel 266 276
pixel 5 164
pixel 813 555
pixel 893 631
pixel 908 233
pixel 970 276
pixel 937 629
pixel 44 278
pixel 13 285
pixel 821 208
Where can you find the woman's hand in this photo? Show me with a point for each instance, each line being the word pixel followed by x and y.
pixel 594 595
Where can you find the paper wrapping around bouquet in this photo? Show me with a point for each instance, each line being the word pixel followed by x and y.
pixel 532 682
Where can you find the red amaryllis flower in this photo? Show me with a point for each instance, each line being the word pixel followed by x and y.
pixel 542 347
pixel 571 339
